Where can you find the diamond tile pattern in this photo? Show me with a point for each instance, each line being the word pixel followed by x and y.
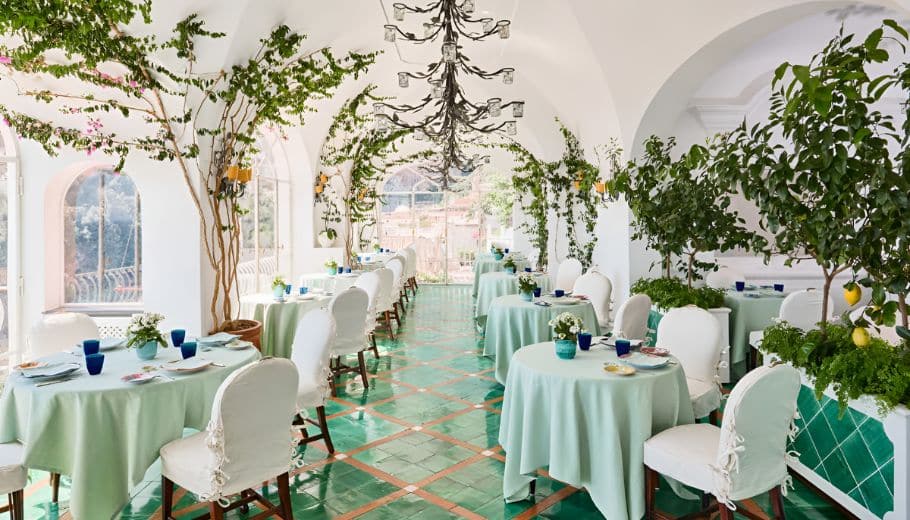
pixel 850 451
pixel 421 442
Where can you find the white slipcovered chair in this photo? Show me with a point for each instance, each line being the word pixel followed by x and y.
pixel 599 290
pixel 349 309
pixel 632 318
pixel 724 278
pixel 58 332
pixel 244 444
pixel 311 353
pixel 55 333
pixel 396 264
pixel 369 282
pixel 801 309
pixel 13 478
pixel 745 457
pixel 568 272
pixel 410 268
pixel 385 306
pixel 692 335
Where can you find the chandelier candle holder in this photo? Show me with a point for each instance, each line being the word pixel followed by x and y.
pixel 445 116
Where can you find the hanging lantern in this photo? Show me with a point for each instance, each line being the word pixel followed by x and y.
pixel 508 76
pixel 503 26
pixel 488 25
pixel 468 6
pixel 390 31
pixel 511 127
pixel 399 10
pixel 449 52
pixel 438 90
pixel 518 109
pixel 378 109
pixel 403 79
pixel 494 107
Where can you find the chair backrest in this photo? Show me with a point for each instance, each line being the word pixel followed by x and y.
pixel 410 267
pixel 396 264
pixel 692 335
pixel 312 345
pixel 632 317
pixel 599 290
pixel 803 309
pixel 57 332
pixel 349 308
pixel 386 289
pixel 251 443
pixel 369 282
pixel 754 432
pixel 568 272
pixel 724 278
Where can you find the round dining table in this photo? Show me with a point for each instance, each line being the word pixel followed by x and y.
pixel 331 283
pixel 279 318
pixel 105 433
pixel 486 263
pixel 499 283
pixel 585 425
pixel 513 323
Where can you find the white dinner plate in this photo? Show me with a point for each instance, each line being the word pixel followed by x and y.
pixel 218 339
pixel 52 371
pixel 238 345
pixel 112 343
pixel 646 362
pixel 565 300
pixel 187 366
pixel 139 378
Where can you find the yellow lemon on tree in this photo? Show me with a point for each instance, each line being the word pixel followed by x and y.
pixel 853 294
pixel 860 337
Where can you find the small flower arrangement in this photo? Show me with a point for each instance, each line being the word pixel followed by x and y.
pixel 497 250
pixel 526 283
pixel 278 281
pixel 509 262
pixel 376 247
pixel 331 264
pixel 566 326
pixel 143 328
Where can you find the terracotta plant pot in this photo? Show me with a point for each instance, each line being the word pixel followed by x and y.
pixel 248 330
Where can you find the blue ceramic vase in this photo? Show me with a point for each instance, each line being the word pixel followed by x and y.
pixel 147 351
pixel 526 296
pixel 565 348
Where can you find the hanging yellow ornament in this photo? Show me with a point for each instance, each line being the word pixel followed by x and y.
pixel 323 178
pixel 600 187
pixel 245 175
pixel 233 172
pixel 319 189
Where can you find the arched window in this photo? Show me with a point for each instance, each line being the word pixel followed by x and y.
pixel 265 228
pixel 7 171
pixel 102 253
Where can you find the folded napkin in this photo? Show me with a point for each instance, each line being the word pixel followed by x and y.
pixel 543 304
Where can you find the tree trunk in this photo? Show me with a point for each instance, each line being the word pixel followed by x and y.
pixel 667 266
pixel 689 271
pixel 826 290
pixel 902 306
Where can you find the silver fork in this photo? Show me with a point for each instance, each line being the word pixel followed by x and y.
pixel 64 380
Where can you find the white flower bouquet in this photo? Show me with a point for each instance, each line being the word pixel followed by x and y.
pixel 144 328
pixel 526 283
pixel 566 326
pixel 509 262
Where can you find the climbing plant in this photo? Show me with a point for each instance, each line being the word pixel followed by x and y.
pixel 204 123
pixel 531 183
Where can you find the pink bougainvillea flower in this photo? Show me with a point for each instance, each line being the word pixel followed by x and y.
pixel 6 60
pixel 6 122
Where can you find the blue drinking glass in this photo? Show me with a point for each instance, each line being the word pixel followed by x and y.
pixel 340 269
pixel 779 287
pixel 559 293
pixel 623 347
pixel 506 250
pixel 381 250
pixel 537 292
pixel 359 259
pixel 303 290
pixel 177 337
pixel 584 340
pixel 740 286
pixel 188 349
pixel 91 346
pixel 93 363
pixel 347 270
pixel 527 269
pixel 287 289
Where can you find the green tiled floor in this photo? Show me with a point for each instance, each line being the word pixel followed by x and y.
pixel 420 442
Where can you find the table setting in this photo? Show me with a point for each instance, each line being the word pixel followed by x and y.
pixel 494 262
pixel 751 308
pixel 499 283
pixel 513 322
pixel 100 411
pixel 582 406
pixel 279 318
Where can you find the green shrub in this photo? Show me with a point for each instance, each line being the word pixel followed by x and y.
pixel 668 293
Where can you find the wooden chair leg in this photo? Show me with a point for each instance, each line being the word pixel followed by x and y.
pixel 17 505
pixel 324 426
pixel 332 386
pixel 777 503
pixel 404 294
pixel 651 483
pixel 375 349
pixel 388 321
pixel 714 417
pixel 167 498
pixel 284 495
pixel 396 315
pixel 55 487
pixel 725 513
pixel 363 370
pixel 216 512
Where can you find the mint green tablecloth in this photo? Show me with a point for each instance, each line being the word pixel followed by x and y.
pixel 586 425
pixel 496 284
pixel 749 311
pixel 279 320
pixel 329 283
pixel 513 323
pixel 485 263
pixel 105 433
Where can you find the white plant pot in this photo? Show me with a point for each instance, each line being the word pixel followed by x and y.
pixel 325 241
pixel 862 442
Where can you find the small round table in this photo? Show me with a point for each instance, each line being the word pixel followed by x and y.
pixel 331 283
pixel 513 323
pixel 587 425
pixel 105 433
pixel 495 284
pixel 279 319
pixel 485 263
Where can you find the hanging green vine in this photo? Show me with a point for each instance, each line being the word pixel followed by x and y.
pixel 531 182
